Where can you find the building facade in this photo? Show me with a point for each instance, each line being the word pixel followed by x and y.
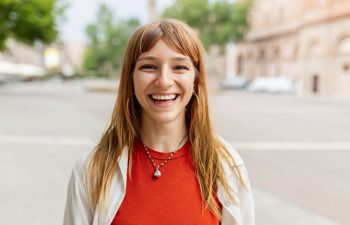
pixel 307 41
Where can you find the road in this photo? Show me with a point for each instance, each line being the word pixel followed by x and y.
pixel 296 150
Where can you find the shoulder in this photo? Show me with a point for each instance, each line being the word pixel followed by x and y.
pixel 80 164
pixel 232 151
pixel 80 168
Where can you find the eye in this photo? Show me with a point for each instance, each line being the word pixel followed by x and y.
pixel 148 67
pixel 181 67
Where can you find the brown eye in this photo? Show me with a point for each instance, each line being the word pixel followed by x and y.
pixel 181 67
pixel 148 67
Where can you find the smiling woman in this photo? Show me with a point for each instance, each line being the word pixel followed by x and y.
pixel 159 161
pixel 163 82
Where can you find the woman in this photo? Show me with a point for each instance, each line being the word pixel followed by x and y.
pixel 159 161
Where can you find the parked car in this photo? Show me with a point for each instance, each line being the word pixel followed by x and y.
pixel 234 82
pixel 280 84
pixel 20 71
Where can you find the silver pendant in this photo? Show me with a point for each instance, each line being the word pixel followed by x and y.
pixel 157 173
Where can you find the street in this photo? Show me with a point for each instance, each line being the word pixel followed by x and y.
pixel 296 149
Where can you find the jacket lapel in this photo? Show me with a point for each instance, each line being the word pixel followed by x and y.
pixel 118 187
pixel 231 214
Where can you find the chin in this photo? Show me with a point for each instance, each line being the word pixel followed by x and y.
pixel 167 118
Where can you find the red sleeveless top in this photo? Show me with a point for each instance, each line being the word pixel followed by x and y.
pixel 172 199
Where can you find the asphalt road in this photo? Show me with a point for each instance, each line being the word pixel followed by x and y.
pixel 296 150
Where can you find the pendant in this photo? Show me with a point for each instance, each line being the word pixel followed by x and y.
pixel 157 173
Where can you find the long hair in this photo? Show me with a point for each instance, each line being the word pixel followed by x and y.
pixel 124 127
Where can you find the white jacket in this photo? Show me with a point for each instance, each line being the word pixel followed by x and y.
pixel 80 212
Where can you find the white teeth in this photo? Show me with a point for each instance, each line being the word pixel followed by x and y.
pixel 164 97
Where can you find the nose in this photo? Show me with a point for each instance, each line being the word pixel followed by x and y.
pixel 164 79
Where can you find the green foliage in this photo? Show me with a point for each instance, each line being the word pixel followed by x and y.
pixel 193 12
pixel 107 42
pixel 29 20
pixel 241 18
pixel 218 21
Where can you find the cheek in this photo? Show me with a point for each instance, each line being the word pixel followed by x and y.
pixel 138 89
pixel 139 83
pixel 138 94
pixel 190 82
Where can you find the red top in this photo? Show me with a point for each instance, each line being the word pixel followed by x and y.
pixel 172 199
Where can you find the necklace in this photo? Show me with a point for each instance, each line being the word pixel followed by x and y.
pixel 157 172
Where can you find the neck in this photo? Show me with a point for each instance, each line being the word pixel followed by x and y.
pixel 164 137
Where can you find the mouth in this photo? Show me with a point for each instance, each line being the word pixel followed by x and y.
pixel 163 98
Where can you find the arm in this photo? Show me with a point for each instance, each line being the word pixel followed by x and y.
pixel 246 199
pixel 78 207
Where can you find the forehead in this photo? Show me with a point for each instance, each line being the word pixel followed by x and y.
pixel 162 50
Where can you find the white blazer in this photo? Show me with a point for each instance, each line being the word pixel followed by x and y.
pixel 79 210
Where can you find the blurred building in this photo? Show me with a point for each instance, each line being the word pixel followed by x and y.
pixel 307 41
pixel 152 10
pixel 66 58
pixel 20 61
pixel 23 61
pixel 17 52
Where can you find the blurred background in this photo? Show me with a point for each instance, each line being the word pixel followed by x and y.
pixel 279 81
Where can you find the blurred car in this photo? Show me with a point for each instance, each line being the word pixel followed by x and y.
pixel 280 84
pixel 20 71
pixel 234 82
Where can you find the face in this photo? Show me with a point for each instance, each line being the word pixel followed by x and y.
pixel 163 82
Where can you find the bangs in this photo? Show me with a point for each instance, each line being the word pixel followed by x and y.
pixel 178 38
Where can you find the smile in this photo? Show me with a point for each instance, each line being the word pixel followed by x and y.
pixel 164 97
pixel 164 100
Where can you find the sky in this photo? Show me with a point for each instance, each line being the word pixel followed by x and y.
pixel 82 12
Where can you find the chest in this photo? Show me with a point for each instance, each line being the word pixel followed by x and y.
pixel 172 198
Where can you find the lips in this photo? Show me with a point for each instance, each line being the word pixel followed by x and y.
pixel 164 100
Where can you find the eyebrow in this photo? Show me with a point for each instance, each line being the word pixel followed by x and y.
pixel 174 58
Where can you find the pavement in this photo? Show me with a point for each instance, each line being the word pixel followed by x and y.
pixel 296 149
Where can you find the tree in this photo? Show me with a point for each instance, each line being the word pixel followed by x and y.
pixel 193 12
pixel 107 40
pixel 29 20
pixel 219 22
